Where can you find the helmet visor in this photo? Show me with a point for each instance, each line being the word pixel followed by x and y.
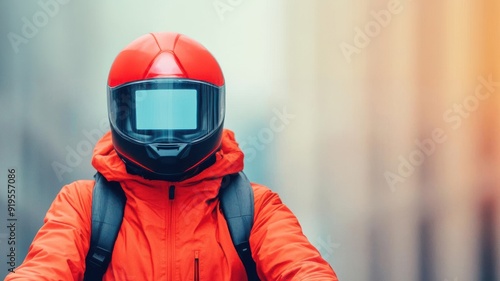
pixel 166 110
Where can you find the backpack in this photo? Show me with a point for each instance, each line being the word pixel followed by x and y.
pixel 108 204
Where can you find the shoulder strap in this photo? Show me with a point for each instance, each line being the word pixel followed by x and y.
pixel 237 204
pixel 108 204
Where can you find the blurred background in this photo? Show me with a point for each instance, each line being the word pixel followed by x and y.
pixel 376 121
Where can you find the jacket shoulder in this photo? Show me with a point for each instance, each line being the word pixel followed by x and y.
pixel 80 186
pixel 263 196
pixel 75 196
pixel 262 193
pixel 80 189
pixel 260 190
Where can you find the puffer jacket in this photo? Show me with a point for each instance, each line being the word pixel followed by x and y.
pixel 171 230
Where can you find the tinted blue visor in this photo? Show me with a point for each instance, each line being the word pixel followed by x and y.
pixel 166 110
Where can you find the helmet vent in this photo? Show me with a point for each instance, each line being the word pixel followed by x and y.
pixel 167 147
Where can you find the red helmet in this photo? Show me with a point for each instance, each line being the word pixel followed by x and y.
pixel 166 104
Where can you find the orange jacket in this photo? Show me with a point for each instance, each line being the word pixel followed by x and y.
pixel 162 238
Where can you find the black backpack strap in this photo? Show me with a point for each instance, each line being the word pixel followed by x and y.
pixel 108 204
pixel 237 205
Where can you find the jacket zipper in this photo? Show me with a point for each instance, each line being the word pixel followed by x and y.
pixel 196 266
pixel 171 233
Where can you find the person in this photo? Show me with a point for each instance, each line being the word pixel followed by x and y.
pixel 169 151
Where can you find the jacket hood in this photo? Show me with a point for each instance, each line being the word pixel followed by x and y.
pixel 229 160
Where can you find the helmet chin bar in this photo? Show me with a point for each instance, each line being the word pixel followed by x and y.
pixel 135 169
pixel 168 161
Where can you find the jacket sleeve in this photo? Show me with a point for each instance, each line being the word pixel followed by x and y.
pixel 279 248
pixel 59 248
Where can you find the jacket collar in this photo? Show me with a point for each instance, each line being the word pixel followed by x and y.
pixel 229 160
